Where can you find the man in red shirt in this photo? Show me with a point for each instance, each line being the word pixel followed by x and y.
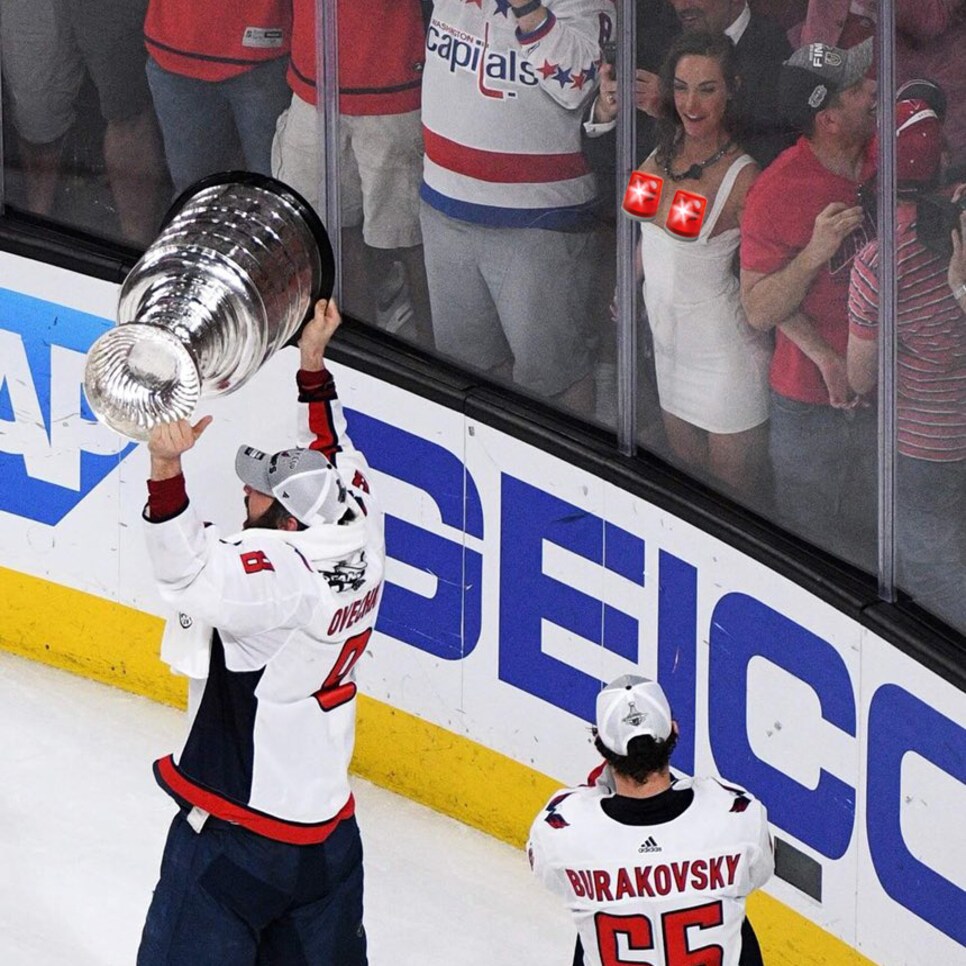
pixel 930 43
pixel 848 22
pixel 381 57
pixel 930 403
pixel 801 229
pixel 217 76
pixel 942 58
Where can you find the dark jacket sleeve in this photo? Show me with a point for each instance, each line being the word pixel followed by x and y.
pixel 657 26
pixel 761 51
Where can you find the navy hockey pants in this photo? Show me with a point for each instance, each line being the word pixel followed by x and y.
pixel 228 897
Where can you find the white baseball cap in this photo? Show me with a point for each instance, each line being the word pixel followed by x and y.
pixel 302 480
pixel 629 707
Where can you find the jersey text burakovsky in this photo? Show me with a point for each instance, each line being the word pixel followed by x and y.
pixel 648 881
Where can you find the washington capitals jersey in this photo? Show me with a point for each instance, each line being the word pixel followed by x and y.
pixel 501 112
pixel 657 894
pixel 285 616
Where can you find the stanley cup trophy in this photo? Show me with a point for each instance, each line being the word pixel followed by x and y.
pixel 235 272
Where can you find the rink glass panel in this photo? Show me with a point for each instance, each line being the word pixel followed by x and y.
pixel 86 151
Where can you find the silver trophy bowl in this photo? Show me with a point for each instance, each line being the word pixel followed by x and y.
pixel 234 274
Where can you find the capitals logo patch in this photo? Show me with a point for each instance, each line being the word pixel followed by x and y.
pixel 553 818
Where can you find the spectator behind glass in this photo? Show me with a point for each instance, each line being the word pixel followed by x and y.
pixel 784 12
pixel 930 371
pixel 761 47
pixel 508 195
pixel 49 47
pixel 712 368
pixel 942 59
pixel 801 228
pixel 838 23
pixel 657 26
pixel 380 154
pixel 845 23
pixel 930 43
pixel 217 76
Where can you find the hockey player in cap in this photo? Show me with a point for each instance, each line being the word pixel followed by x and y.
pixel 654 869
pixel 263 860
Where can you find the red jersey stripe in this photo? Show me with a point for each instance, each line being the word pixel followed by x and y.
pixel 294 833
pixel 499 167
pixel 316 389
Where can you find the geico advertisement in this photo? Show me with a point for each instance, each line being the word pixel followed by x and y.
pixel 516 584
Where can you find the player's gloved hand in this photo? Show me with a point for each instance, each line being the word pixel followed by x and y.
pixel 317 333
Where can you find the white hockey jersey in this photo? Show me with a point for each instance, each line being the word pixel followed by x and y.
pixel 502 112
pixel 661 893
pixel 272 735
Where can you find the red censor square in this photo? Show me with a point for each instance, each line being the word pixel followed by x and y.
pixel 687 214
pixel 643 195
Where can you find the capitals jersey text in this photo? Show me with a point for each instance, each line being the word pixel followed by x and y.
pixel 501 112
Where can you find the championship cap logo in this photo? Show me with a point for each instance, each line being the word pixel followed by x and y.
pixel 817 97
pixel 629 707
pixel 634 717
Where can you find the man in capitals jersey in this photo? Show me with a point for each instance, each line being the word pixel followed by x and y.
pixel 508 196
pixel 654 870
pixel 264 857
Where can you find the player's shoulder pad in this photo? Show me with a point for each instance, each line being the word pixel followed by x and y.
pixel 275 546
pixel 601 775
pixel 565 805
pixel 740 798
pixel 551 812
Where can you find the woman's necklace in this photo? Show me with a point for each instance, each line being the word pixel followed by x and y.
pixel 694 172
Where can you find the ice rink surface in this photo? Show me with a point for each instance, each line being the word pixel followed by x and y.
pixel 82 825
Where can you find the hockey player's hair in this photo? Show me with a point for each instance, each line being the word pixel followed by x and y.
pixel 645 756
pixel 275 516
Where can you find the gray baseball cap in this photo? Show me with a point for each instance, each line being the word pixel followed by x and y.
pixel 302 480
pixel 629 707
pixel 815 72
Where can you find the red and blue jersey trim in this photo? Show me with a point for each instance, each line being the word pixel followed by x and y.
pixel 501 167
pixel 575 218
pixel 189 792
pixel 318 390
pixel 540 32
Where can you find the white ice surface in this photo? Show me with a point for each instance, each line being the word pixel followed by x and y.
pixel 82 825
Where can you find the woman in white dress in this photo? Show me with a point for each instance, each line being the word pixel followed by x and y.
pixel 712 368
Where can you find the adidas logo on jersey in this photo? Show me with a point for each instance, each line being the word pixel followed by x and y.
pixel 649 845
